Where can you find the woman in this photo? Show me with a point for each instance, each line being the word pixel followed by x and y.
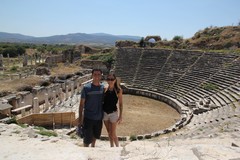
pixel 112 113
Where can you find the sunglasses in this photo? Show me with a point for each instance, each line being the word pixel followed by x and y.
pixel 110 79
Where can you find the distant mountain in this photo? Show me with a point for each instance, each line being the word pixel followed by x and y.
pixel 8 37
pixel 74 38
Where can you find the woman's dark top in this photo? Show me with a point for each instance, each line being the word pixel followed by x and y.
pixel 110 101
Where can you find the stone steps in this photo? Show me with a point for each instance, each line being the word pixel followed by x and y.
pixel 233 93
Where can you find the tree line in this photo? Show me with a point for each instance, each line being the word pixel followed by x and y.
pixel 14 49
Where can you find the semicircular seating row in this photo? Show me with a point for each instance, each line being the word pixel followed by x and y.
pixel 187 76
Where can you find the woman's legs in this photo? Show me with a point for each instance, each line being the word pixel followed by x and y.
pixel 112 134
pixel 111 125
pixel 108 127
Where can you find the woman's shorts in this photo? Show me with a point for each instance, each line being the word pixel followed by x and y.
pixel 112 117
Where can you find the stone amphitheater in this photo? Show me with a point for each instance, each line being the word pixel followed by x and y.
pixel 203 87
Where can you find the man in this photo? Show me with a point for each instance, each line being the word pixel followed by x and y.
pixel 91 104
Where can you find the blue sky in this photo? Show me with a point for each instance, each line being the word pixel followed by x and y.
pixel 166 18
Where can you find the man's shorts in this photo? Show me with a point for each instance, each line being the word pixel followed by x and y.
pixel 91 129
pixel 112 117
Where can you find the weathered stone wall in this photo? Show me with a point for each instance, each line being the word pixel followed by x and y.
pixel 125 43
pixel 71 55
pixel 54 59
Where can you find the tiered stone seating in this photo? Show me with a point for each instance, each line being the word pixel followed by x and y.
pixel 181 74
pixel 232 93
pixel 207 65
pixel 176 65
pixel 126 64
pixel 212 122
pixel 151 63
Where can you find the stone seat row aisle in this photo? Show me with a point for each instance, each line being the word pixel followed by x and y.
pixel 216 121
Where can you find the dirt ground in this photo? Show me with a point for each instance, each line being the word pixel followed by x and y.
pixel 143 115
pixel 15 84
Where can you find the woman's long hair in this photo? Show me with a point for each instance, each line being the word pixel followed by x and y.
pixel 117 82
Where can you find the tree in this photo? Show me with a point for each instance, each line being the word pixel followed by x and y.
pixel 142 43
pixel 13 51
pixel 178 38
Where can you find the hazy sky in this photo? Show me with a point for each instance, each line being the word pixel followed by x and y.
pixel 166 18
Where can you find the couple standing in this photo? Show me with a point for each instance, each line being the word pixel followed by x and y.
pixel 100 104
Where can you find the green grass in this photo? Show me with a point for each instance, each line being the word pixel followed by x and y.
pixel 209 86
pixel 23 125
pixel 45 132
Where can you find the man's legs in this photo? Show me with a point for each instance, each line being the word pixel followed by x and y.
pixel 88 132
pixel 92 131
pixel 93 142
pixel 97 130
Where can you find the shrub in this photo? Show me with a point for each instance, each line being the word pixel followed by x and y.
pixel 12 120
pixel 69 76
pixel 25 88
pixel 227 45
pixel 44 83
pixel 106 58
pixel 133 138
pixel 178 38
pixel 13 68
pixel 62 77
pixel 79 73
